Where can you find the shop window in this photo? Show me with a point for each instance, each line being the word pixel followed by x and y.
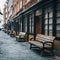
pixel 58 13
pixel 58 33
pixel 31 23
pixel 25 23
pixel 50 32
pixel 58 6
pixel 20 24
pixel 50 14
pixel 58 27
pixel 46 27
pixel 58 21
pixel 48 21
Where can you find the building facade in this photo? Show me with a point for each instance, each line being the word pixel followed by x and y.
pixel 39 16
pixel 36 16
pixel 10 7
pixel 8 19
pixel 16 6
pixel 5 10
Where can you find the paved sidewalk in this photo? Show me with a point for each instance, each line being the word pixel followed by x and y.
pixel 10 49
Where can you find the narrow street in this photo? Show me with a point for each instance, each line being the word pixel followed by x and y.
pixel 10 49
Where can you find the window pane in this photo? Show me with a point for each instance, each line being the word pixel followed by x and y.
pixel 46 15
pixel 26 28
pixel 58 13
pixel 21 27
pixel 58 33
pixel 30 29
pixel 50 27
pixel 33 29
pixel 51 14
pixel 58 20
pixel 25 24
pixel 58 27
pixel 50 21
pixel 46 27
pixel 58 7
pixel 50 32
pixel 46 21
pixel 46 32
pixel 31 23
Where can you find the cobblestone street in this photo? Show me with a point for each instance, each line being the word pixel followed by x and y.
pixel 10 49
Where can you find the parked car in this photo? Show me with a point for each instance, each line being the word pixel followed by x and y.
pixel 0 29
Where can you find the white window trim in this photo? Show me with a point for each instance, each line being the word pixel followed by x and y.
pixel 20 4
pixel 27 2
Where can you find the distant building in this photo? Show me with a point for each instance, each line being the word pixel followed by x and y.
pixel 8 13
pixel 10 7
pixel 1 23
pixel 10 10
pixel 5 11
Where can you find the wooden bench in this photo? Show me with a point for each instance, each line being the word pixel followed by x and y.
pixel 43 42
pixel 30 36
pixel 21 37
pixel 12 33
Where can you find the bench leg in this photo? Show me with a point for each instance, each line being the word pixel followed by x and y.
pixel 30 46
pixel 52 52
pixel 16 38
pixel 42 51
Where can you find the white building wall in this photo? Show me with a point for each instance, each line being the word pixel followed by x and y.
pixel 10 3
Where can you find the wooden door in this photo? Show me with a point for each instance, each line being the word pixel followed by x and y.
pixel 38 25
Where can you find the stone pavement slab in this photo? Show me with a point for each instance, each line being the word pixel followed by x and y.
pixel 10 49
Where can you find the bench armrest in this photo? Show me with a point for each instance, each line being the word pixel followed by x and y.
pixel 46 41
pixel 31 39
pixel 49 43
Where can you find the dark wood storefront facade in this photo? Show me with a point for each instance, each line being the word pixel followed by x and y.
pixel 42 18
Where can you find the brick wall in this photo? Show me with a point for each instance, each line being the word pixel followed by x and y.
pixel 15 7
pixel 30 3
pixel 25 5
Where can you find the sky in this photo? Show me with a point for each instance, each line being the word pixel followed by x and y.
pixel 2 2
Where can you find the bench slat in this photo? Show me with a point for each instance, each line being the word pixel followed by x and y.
pixel 43 41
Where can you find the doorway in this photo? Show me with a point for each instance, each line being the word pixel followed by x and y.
pixel 38 24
